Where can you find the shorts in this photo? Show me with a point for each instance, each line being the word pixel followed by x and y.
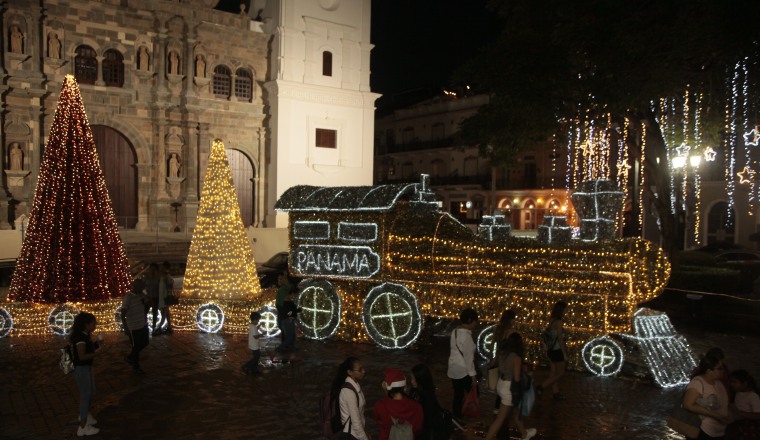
pixel 503 390
pixel 556 356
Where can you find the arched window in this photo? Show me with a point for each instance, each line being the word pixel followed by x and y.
pixel 222 82
pixel 243 85
pixel 327 63
pixel 86 65
pixel 113 68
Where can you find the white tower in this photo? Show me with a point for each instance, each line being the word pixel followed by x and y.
pixel 322 109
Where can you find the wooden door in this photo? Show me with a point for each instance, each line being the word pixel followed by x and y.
pixel 117 160
pixel 242 176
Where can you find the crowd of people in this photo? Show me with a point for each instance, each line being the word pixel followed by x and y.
pixel 726 401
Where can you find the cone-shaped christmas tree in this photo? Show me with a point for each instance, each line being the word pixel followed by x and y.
pixel 220 264
pixel 72 250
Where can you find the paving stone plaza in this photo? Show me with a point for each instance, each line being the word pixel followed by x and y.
pixel 193 388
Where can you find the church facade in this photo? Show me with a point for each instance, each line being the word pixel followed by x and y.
pixel 284 84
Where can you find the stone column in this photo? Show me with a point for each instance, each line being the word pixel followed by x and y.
pixel 143 196
pixel 160 54
pixel 191 162
pixel 99 81
pixel 189 62
pixel 258 178
pixel 161 158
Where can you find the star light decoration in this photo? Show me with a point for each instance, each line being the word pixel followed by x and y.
pixel 747 175
pixel 683 150
pixel 710 154
pixel 752 137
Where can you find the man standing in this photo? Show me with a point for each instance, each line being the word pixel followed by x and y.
pixel 135 322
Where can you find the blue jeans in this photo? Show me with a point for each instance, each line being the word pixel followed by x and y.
pixel 288 335
pixel 253 364
pixel 86 383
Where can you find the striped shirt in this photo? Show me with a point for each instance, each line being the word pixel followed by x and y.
pixel 133 311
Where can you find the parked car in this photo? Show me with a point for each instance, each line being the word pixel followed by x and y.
pixel 271 269
pixel 738 257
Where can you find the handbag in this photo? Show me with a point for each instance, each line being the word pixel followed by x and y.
pixel 492 378
pixel 684 421
pixel 471 403
pixel 66 363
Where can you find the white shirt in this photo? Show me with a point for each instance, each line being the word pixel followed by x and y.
pixel 254 343
pixel 747 401
pixel 716 395
pixel 349 409
pixel 462 354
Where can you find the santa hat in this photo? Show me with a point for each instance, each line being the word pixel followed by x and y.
pixel 394 378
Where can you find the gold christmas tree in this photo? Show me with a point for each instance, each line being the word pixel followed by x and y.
pixel 220 264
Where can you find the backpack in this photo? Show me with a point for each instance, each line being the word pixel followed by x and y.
pixel 400 431
pixel 66 363
pixel 547 339
pixel 329 412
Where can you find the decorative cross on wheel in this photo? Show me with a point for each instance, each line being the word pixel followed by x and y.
pixel 268 321
pixel 603 356
pixel 320 309
pixel 6 323
pixel 209 318
pixel 391 316
pixel 61 319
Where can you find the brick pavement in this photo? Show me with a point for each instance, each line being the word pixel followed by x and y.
pixel 194 389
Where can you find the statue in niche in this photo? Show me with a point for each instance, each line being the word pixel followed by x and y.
pixel 17 39
pixel 54 46
pixel 17 157
pixel 174 165
pixel 143 58
pixel 173 63
pixel 200 67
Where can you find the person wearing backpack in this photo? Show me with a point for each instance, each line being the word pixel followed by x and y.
pixel 351 402
pixel 397 416
pixel 510 360
pixel 556 351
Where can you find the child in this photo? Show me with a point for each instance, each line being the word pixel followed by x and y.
pixel 397 406
pixel 254 344
pixel 746 407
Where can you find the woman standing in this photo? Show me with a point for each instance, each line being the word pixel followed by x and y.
pixel 350 398
pixel 705 395
pixel 83 351
pixel 556 350
pixel 510 358
pixel 461 369
pixel 500 334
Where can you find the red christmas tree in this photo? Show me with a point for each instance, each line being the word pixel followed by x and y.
pixel 72 250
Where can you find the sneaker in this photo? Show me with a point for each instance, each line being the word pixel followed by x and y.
pixel 90 419
pixel 529 433
pixel 87 430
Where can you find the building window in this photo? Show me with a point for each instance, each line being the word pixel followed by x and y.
pixel 407 135
pixel 222 82
pixel 86 65
pixel 327 63
pixel 243 85
pixel 327 138
pixel 113 68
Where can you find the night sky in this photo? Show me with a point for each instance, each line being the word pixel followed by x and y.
pixel 419 43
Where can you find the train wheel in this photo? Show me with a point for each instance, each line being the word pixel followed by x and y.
pixel 320 309
pixel 268 321
pixel 486 344
pixel 61 319
pixel 602 356
pixel 391 316
pixel 6 323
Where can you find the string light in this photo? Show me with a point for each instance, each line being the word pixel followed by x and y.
pixel 432 265
pixel 72 250
pixel 220 263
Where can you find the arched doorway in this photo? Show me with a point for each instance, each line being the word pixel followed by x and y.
pixel 117 160
pixel 717 230
pixel 242 176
